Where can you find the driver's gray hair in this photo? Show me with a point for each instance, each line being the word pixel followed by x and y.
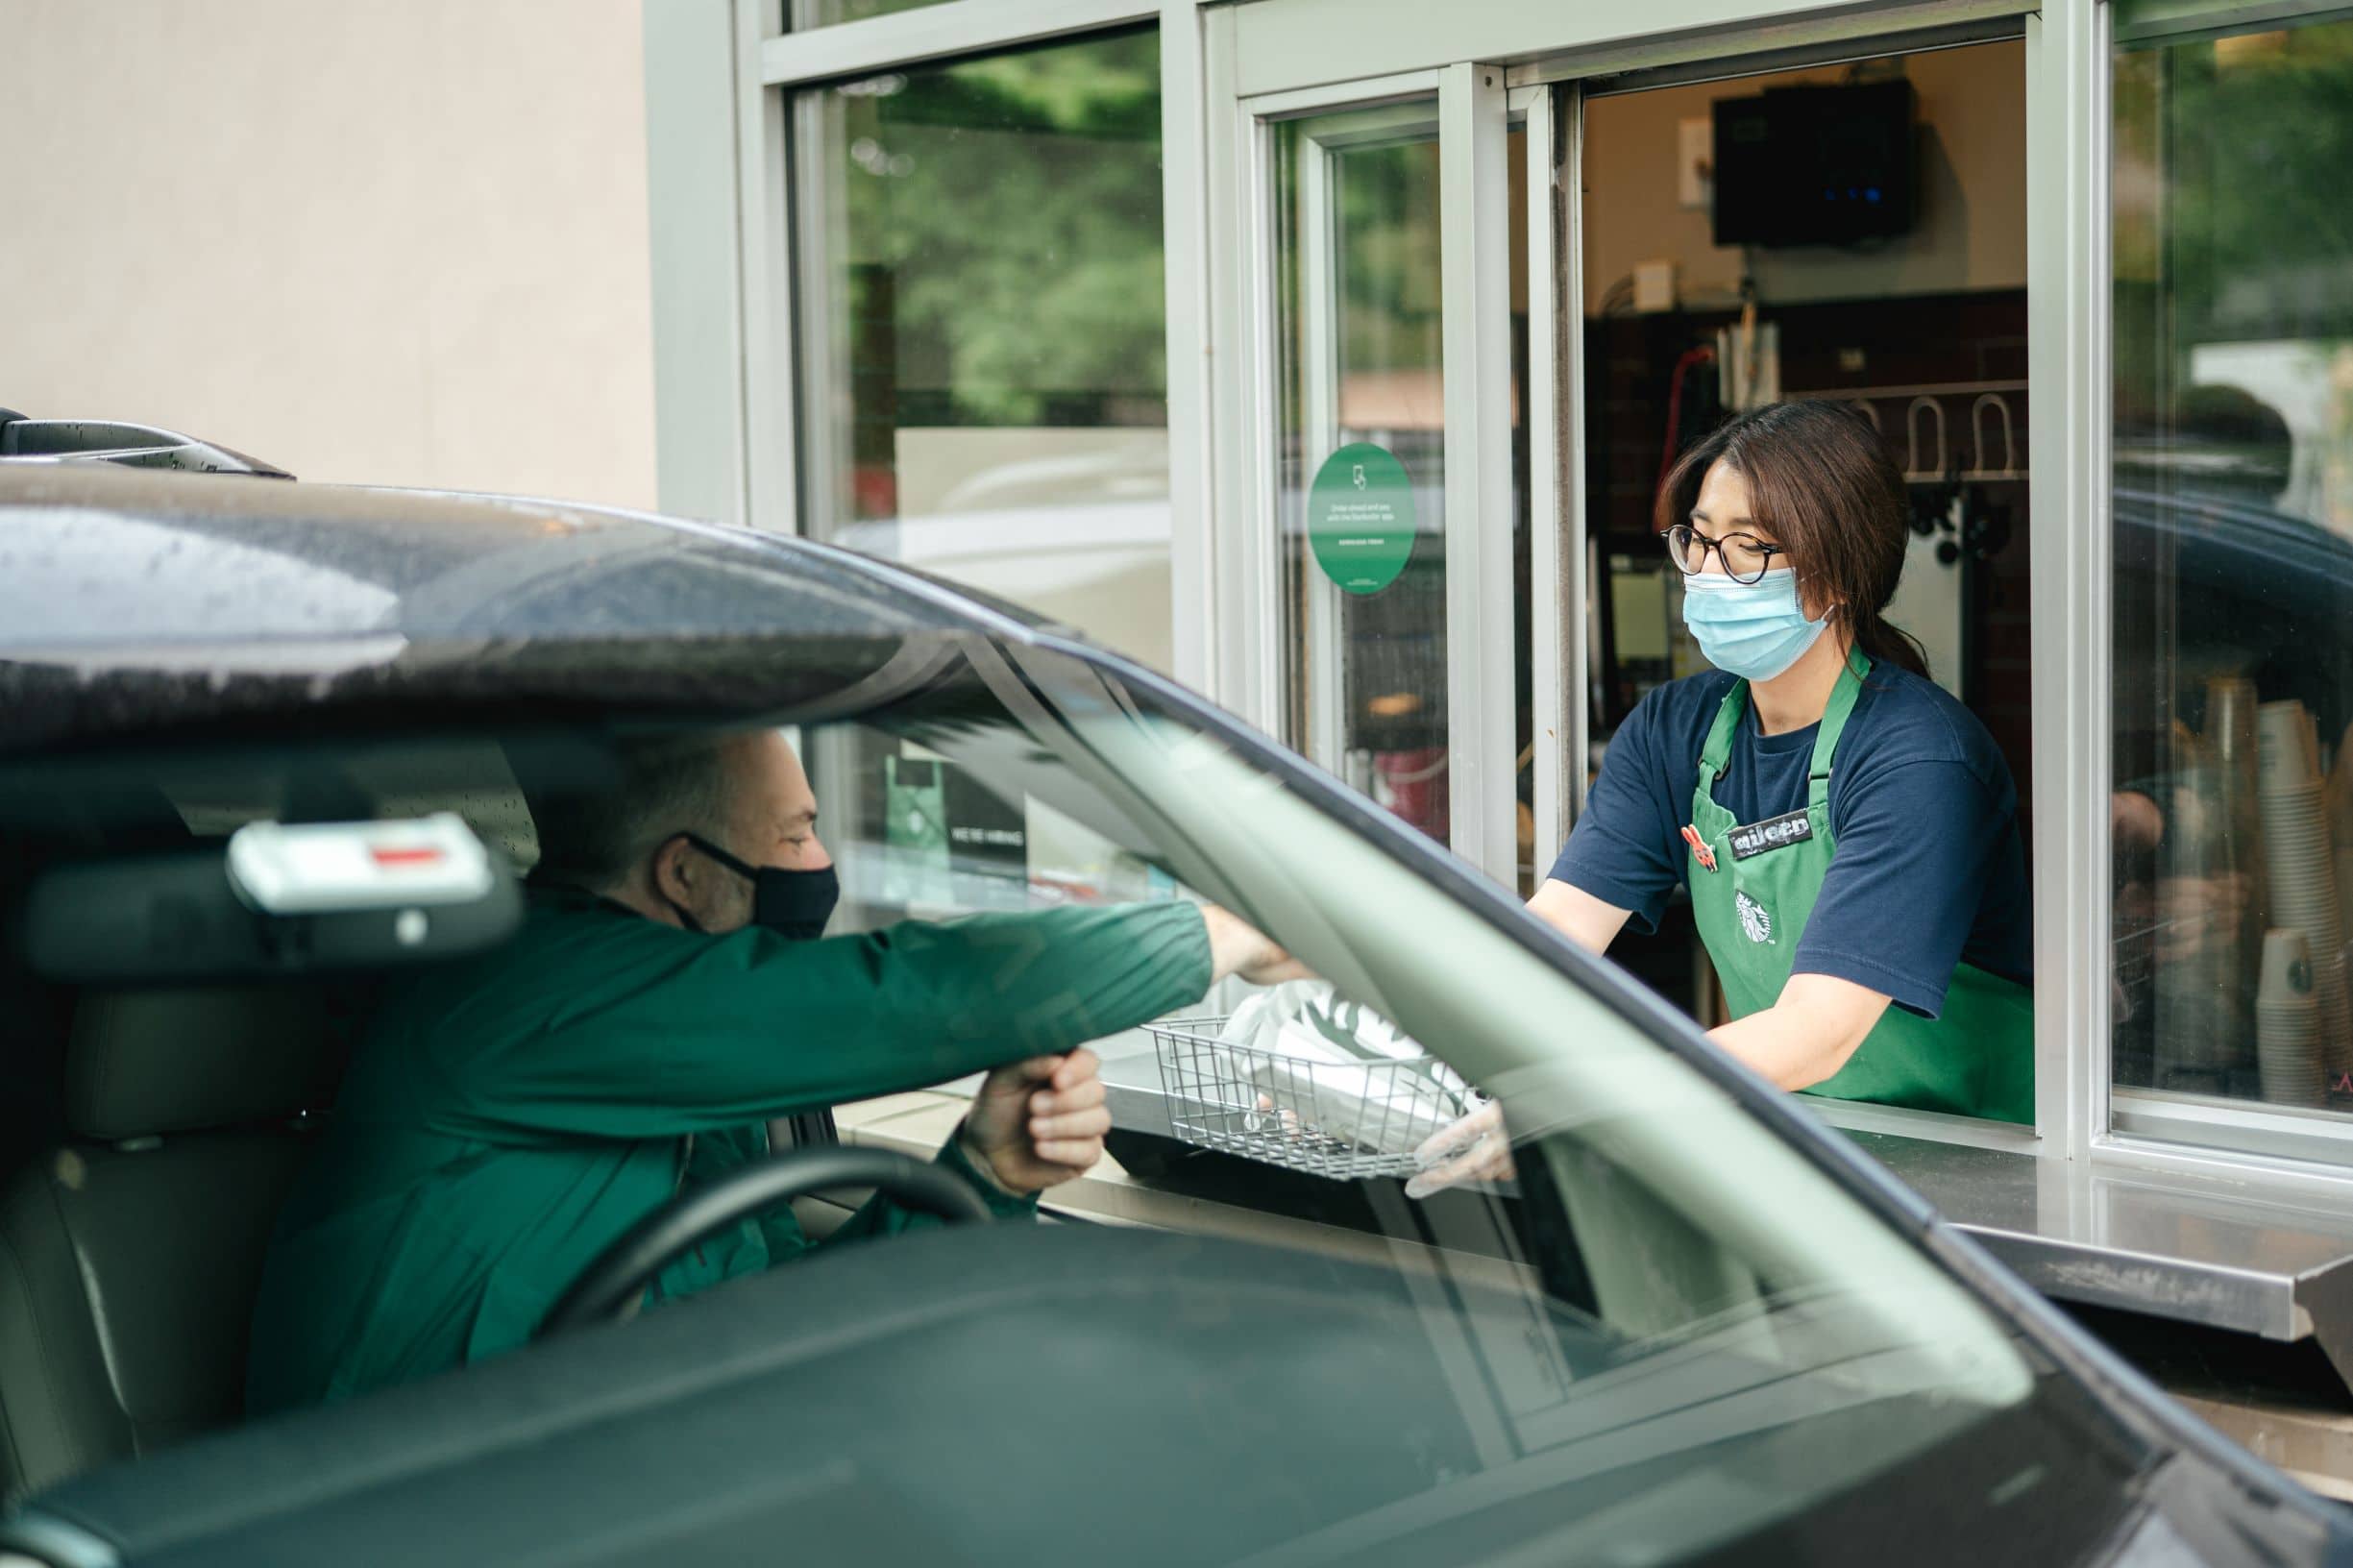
pixel 594 839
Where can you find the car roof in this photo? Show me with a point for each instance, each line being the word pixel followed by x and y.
pixel 95 556
pixel 135 602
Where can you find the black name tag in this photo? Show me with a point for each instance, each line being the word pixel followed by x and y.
pixel 1773 833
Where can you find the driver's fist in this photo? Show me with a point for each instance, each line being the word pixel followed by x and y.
pixel 1038 1123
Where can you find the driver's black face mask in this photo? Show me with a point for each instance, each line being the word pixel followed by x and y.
pixel 795 904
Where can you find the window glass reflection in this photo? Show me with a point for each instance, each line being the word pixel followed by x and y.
pixel 2232 806
pixel 991 403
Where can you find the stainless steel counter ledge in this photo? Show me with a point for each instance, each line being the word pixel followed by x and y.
pixel 2173 1247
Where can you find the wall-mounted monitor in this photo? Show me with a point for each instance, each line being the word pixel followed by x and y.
pixel 1816 165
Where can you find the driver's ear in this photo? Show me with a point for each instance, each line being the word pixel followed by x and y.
pixel 674 870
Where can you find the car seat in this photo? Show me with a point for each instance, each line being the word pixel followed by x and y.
pixel 131 1252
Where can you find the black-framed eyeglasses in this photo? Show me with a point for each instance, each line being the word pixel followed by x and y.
pixel 1745 557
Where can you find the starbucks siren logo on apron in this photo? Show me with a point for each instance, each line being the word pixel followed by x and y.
pixel 1754 921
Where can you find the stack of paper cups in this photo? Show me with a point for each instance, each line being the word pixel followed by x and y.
pixel 2288 1024
pixel 2338 797
pixel 2202 1001
pixel 2231 705
pixel 2301 867
pixel 2287 747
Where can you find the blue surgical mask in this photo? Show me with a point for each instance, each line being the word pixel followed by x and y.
pixel 1751 629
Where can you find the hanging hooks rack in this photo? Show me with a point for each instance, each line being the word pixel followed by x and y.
pixel 1913 473
pixel 1977 437
pixel 1938 466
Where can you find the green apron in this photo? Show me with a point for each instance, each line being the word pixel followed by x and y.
pixel 1976 1059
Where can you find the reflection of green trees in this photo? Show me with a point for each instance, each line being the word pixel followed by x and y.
pixel 1384 201
pixel 1008 210
pixel 1387 206
pixel 2232 160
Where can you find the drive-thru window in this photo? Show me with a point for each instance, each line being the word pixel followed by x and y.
pixel 1328 355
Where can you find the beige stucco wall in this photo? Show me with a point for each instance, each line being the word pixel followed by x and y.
pixel 1973 228
pixel 389 241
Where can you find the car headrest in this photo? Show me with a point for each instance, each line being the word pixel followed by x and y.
pixel 176 1059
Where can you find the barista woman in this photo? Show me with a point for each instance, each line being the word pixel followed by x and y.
pixel 1847 830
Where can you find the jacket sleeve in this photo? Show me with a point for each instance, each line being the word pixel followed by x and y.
pixel 626 1028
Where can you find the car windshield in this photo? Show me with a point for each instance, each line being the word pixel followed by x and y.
pixel 1657 1331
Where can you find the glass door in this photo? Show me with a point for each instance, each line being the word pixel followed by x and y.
pixel 1396 461
pixel 1362 453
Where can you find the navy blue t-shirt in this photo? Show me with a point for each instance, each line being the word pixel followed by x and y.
pixel 1927 871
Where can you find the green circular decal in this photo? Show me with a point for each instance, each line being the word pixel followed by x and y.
pixel 1360 517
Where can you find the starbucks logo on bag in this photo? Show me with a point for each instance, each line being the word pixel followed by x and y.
pixel 1753 917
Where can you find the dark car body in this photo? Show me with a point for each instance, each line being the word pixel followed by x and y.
pixel 124 600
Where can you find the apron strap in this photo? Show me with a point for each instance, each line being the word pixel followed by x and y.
pixel 1833 725
pixel 1717 753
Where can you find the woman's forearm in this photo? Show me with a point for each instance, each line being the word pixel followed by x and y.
pixel 1578 915
pixel 1808 1033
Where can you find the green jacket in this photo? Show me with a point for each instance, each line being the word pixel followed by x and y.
pixel 508 1117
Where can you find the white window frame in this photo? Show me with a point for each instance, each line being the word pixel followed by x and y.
pixel 1468 107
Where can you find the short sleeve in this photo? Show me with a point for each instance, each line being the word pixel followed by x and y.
pixel 1620 849
pixel 1916 850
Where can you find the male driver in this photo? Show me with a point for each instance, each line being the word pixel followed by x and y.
pixel 509 1115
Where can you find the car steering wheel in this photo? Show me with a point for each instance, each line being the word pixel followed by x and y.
pixel 609 1286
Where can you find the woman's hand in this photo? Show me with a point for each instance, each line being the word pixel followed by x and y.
pixel 1475 1149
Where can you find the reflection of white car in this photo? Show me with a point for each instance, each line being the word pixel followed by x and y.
pixel 1076 528
pixel 1073 525
pixel 1101 567
pixel 1131 470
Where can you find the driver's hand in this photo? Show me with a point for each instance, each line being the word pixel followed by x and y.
pixel 1035 1125
pixel 1475 1149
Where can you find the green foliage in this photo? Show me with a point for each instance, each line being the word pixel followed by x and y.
pixel 2233 157
pixel 1390 301
pixel 1012 204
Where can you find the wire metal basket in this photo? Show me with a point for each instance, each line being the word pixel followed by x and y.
pixel 1344 1121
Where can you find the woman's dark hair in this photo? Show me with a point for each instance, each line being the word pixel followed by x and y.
pixel 1823 485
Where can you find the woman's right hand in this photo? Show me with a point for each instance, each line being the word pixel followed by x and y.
pixel 1478 1148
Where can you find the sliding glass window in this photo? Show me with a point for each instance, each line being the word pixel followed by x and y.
pixel 2233 535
